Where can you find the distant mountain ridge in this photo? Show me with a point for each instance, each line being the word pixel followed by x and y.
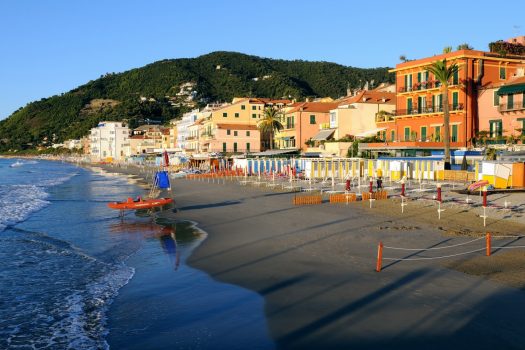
pixel 165 89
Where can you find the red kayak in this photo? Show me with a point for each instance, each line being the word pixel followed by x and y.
pixel 140 203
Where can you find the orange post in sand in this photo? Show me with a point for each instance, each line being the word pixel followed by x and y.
pixel 488 240
pixel 379 256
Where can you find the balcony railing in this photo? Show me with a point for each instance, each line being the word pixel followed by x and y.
pixel 516 106
pixel 425 85
pixel 384 118
pixel 189 138
pixel 427 109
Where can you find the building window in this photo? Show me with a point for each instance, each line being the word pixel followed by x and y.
pixel 228 132
pixel 254 108
pixel 455 78
pixel 312 119
pixel 502 73
pixel 522 126
pixel 235 146
pixel 392 135
pixel 423 133
pixel 235 133
pixel 254 115
pixel 407 133
pixel 236 115
pixel 455 100
pixel 454 133
pixel 496 98
pixel 243 107
pixel 409 106
pixel 224 146
pixel 496 128
pixel 510 101
pixel 290 122
pixel 247 147
pixel 225 114
pixel 247 133
pixel 437 135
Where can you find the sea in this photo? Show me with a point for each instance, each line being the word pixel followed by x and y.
pixel 74 275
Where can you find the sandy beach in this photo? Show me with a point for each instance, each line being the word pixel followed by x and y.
pixel 315 267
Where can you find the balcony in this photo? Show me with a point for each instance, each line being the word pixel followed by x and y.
pixel 384 118
pixel 426 85
pixel 516 106
pixel 428 109
pixel 208 135
pixel 189 138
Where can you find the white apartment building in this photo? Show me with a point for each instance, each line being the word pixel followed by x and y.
pixel 182 128
pixel 109 141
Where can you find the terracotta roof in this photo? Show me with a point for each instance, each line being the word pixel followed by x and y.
pixel 314 107
pixel 236 126
pixel 371 96
pixel 137 137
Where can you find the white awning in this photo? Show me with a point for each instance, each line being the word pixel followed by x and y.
pixel 370 132
pixel 323 135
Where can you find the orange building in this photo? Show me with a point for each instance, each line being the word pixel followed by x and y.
pixel 417 123
pixel 302 122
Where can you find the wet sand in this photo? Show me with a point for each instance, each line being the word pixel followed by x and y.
pixel 314 265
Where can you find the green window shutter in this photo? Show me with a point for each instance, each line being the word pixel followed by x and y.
pixel 247 133
pixel 455 100
pixel 236 115
pixel 392 135
pixel 406 82
pixel 228 132
pixel 496 98
pixel 423 133
pixel 434 101
pixel 455 78
pixel 312 119
pixel 243 107
pixel 235 146
pixel 502 73
pixel 407 134
pixel 225 115
pixel 420 104
pixel 254 108
pixel 409 106
pixel 247 147
pixel 235 133
pixel 510 101
pixel 437 136
pixel 454 133
pixel 224 146
pixel 419 77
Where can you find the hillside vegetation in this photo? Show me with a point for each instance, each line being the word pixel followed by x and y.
pixel 150 92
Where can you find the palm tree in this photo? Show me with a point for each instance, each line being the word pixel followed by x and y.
pixel 270 123
pixel 444 74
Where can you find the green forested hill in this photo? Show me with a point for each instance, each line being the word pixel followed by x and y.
pixel 218 76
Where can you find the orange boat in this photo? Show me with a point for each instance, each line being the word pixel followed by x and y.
pixel 140 203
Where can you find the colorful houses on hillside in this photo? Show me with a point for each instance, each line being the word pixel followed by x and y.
pixel 486 105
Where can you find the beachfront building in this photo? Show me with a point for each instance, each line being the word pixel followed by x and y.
pixel 305 121
pixel 502 109
pixel 233 127
pixel 416 128
pixel 109 141
pixel 182 127
pixel 148 139
pixel 358 114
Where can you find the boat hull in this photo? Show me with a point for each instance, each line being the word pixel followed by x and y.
pixel 141 204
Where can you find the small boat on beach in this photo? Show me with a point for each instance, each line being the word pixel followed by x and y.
pixel 474 186
pixel 140 203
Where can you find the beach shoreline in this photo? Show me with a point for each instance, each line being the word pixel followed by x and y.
pixel 305 261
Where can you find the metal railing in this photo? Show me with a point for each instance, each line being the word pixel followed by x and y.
pixel 515 106
pixel 425 85
pixel 427 109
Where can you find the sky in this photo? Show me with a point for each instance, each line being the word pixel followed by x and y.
pixel 52 46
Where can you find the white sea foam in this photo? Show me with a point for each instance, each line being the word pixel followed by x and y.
pixel 17 202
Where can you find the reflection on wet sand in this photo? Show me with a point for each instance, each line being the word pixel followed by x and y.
pixel 166 234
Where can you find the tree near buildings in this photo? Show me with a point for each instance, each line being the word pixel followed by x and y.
pixel 444 75
pixel 270 123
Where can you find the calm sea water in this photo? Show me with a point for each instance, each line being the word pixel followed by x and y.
pixel 73 275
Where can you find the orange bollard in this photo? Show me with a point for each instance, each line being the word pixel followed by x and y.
pixel 379 256
pixel 488 241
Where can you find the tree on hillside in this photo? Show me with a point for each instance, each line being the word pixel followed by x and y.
pixel 270 123
pixel 444 75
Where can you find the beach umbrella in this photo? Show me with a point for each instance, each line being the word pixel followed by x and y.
pixel 166 159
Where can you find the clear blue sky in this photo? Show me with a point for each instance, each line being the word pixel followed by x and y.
pixel 51 46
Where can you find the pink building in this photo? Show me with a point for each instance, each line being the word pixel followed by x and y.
pixel 235 138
